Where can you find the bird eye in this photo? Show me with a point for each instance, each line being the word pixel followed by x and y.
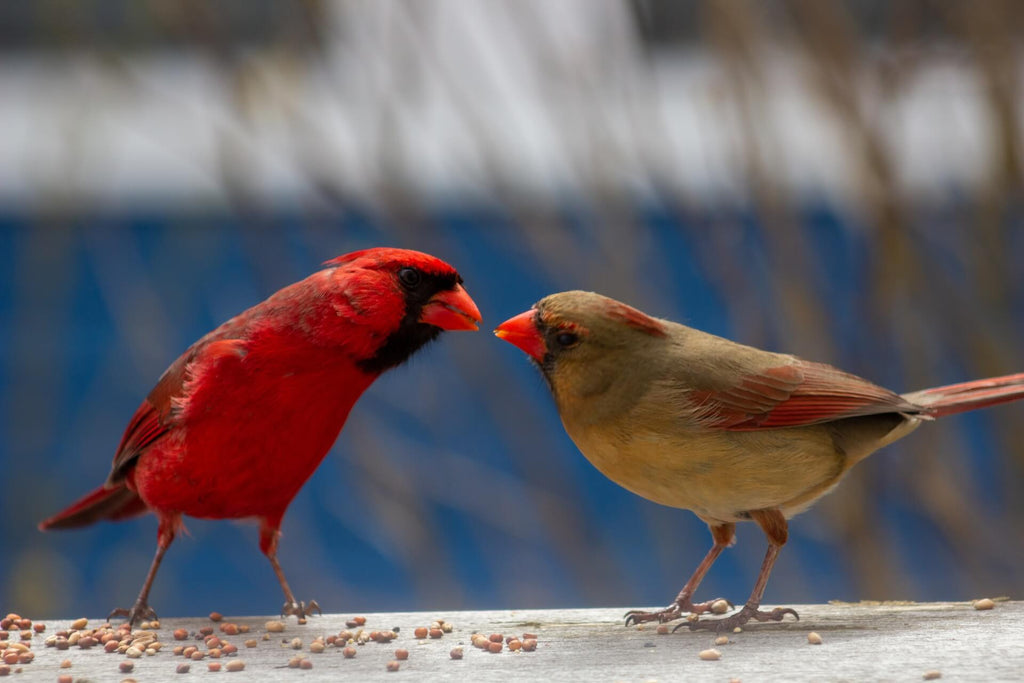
pixel 409 277
pixel 567 339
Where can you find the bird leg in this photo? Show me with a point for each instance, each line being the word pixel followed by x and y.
pixel 141 609
pixel 776 529
pixel 724 535
pixel 269 533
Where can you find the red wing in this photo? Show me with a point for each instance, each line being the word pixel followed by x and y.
pixel 793 395
pixel 155 417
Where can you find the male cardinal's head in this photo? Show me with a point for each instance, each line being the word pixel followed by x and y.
pixel 405 298
pixel 582 340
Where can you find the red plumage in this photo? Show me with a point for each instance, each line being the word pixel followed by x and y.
pixel 239 422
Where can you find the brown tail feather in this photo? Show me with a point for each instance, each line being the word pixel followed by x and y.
pixel 113 503
pixel 958 398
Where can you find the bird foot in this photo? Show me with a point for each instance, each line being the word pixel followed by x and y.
pixel 301 609
pixel 674 611
pixel 739 619
pixel 140 611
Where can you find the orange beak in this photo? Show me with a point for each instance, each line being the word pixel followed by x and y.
pixel 522 331
pixel 451 310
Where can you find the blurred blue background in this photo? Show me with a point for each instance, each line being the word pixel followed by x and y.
pixel 840 180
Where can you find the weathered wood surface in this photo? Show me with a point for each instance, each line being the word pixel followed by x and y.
pixel 861 642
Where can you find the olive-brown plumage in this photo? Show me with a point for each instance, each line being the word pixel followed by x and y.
pixel 731 432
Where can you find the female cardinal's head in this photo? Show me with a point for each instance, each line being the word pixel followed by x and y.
pixel 582 342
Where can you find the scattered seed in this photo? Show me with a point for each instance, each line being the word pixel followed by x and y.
pixel 215 652
pixel 212 642
pixel 229 629
pixel 456 653
pixel 393 665
pixel 63 678
pixel 4 670
pixel 178 650
pixel 296 644
pixel 349 652
pixel 182 669
pixel 11 658
pixel 196 656
pixel 710 655
pixel 515 645
pixel 720 606
pixel 133 652
pixel 229 649
pixel 243 628
pixel 155 623
pixel 316 647
pixel 235 665
pixel 275 626
pixel 529 636
pixel 306 664
pixel 494 648
pixel 126 667
pixel 39 627
pixel 359 620
pixel 813 638
pixel 662 629
pixel 26 657
pixel 420 632
pixel 480 641
pixel 213 666
pixel 737 630
pixel 436 633
pixel 446 627
pixel 86 642
pixel 402 654
pixel 931 675
pixel 79 624
pixel 62 644
pixel 252 642
pixel 66 664
pixel 984 603
pixel 187 652
pixel 206 631
pixel 529 645
pixel 294 662
pixel 111 646
pixel 180 634
pixel 722 640
pixel 216 616
pixel 496 638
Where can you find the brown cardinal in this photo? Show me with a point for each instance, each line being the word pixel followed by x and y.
pixel 731 432
pixel 239 422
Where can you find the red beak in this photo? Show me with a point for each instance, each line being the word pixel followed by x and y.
pixel 522 332
pixel 451 309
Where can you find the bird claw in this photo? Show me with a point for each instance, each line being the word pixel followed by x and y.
pixel 139 611
pixel 672 612
pixel 740 618
pixel 637 617
pixel 301 609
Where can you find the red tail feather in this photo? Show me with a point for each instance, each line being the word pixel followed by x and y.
pixel 958 398
pixel 113 503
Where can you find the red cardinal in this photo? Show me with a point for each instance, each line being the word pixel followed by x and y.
pixel 733 433
pixel 240 421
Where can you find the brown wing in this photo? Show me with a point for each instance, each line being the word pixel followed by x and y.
pixel 801 393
